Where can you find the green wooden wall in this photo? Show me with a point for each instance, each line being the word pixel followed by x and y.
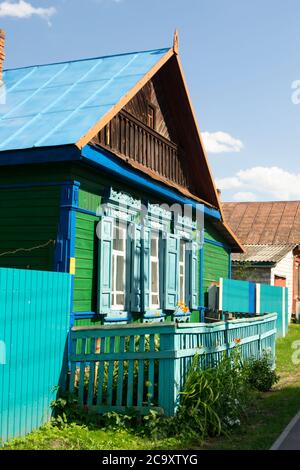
pixel 85 287
pixel 29 217
pixel 215 260
pixel 215 265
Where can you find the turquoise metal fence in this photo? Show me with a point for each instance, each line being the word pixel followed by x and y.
pixel 144 366
pixel 247 297
pixel 238 296
pixel 34 325
pixel 274 299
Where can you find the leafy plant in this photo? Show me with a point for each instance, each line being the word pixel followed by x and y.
pixel 214 399
pixel 260 374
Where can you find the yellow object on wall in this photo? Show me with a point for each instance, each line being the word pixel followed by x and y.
pixel 73 266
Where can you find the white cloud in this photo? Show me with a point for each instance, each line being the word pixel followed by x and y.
pixel 231 182
pixel 244 196
pixel 221 142
pixel 23 9
pixel 263 182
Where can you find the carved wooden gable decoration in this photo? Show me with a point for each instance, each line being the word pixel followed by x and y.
pixel 156 133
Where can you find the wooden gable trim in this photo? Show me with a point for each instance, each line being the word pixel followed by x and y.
pixel 124 100
pixel 233 236
pixel 218 202
pixel 170 54
pixel 216 194
pixel 156 176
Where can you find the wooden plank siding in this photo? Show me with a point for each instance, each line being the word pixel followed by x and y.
pixel 85 284
pixel 29 218
pixel 130 138
pixel 215 265
pixel 151 94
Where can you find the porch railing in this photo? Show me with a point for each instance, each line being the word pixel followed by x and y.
pixel 144 366
pixel 131 139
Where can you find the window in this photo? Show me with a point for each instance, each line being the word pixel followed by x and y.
pixel 107 135
pixel 182 271
pixel 154 282
pixel 150 270
pixel 119 267
pixel 151 117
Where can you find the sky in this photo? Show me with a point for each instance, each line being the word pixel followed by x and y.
pixel 241 60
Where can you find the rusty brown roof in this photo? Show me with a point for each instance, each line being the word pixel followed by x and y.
pixel 264 223
pixel 263 253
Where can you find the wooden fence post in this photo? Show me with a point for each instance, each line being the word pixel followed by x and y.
pixel 169 374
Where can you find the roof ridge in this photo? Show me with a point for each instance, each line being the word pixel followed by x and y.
pixel 87 59
pixel 270 244
pixel 260 202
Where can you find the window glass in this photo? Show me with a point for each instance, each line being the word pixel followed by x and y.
pixel 151 117
pixel 154 296
pixel 119 267
pixel 182 270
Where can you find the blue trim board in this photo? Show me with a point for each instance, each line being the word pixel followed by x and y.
pixel 32 185
pixel 65 242
pixel 40 155
pixel 83 315
pixel 84 211
pixel 112 164
pixel 66 237
pixel 252 297
pixel 201 293
pixel 104 160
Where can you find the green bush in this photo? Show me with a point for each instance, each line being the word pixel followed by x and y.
pixel 214 400
pixel 260 374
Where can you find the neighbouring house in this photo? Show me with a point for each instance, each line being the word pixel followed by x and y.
pixel 270 233
pixel 84 145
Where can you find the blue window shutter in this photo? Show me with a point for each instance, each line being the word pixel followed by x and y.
pixel 146 268
pixel 171 272
pixel 194 276
pixel 135 269
pixel 106 233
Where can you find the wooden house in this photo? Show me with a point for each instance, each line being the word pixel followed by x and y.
pixel 270 233
pixel 84 145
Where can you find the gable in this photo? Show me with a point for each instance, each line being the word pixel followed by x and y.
pixel 68 104
pixel 172 151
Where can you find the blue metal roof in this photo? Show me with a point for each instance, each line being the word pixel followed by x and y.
pixel 57 104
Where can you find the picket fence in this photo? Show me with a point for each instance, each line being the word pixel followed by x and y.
pixel 114 368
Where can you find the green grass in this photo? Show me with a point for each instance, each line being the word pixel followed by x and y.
pixel 269 414
pixel 75 437
pixel 272 411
